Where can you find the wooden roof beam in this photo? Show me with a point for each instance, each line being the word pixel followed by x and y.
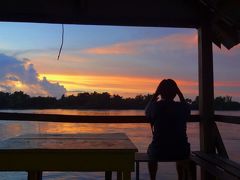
pixel 171 13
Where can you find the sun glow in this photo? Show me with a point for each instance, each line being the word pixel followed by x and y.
pixel 123 85
pixel 112 84
pixel 19 84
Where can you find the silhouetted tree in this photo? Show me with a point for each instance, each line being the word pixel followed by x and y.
pixel 20 100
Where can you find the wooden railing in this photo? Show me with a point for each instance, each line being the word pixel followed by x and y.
pixel 78 118
pixel 99 119
pixel 227 119
pixel 219 145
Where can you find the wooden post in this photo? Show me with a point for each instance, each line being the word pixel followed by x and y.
pixel 108 175
pixel 126 175
pixel 34 175
pixel 137 170
pixel 119 175
pixel 206 92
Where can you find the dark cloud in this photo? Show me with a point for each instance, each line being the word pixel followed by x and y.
pixel 54 89
pixel 18 75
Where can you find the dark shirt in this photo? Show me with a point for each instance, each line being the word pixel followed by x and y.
pixel 168 119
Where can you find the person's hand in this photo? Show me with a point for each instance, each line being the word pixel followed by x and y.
pixel 157 92
pixel 180 95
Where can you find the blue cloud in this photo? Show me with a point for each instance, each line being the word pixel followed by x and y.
pixel 18 74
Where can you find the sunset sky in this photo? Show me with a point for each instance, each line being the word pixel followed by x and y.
pixel 120 60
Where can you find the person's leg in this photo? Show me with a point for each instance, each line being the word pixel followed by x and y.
pixel 179 171
pixel 152 167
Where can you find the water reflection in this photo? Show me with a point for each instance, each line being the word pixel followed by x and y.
pixel 84 112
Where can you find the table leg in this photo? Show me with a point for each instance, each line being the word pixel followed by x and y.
pixel 108 175
pixel 126 175
pixel 34 175
pixel 119 175
pixel 137 170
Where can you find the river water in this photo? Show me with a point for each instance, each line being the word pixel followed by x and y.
pixel 140 134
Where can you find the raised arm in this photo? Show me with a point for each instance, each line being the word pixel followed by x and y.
pixel 150 104
pixel 180 95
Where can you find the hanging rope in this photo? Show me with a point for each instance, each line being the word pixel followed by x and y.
pixel 60 50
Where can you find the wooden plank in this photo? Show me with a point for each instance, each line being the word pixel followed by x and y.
pixel 226 164
pixel 89 161
pixel 78 118
pixel 172 13
pixel 67 146
pixel 213 170
pixel 71 118
pixel 232 167
pixel 230 162
pixel 68 154
pixel 81 142
pixel 227 119
pixel 219 142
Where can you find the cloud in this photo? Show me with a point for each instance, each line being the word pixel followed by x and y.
pixel 20 75
pixel 169 43
pixel 114 49
pixel 227 84
pixel 123 85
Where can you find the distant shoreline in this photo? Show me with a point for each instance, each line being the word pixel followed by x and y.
pixel 98 101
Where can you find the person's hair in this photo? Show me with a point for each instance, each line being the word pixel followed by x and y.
pixel 168 89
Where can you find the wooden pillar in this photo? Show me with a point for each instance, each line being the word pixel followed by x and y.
pixel 108 175
pixel 34 175
pixel 206 92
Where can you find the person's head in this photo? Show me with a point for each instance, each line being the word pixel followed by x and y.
pixel 167 89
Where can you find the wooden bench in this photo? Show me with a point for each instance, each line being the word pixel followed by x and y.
pixel 188 167
pixel 216 165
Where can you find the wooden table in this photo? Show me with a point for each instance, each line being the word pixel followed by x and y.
pixel 68 152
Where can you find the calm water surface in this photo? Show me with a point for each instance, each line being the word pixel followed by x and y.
pixel 140 134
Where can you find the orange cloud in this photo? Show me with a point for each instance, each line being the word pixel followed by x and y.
pixel 115 49
pixel 123 85
pixel 130 86
pixel 140 46
pixel 230 88
pixel 67 64
pixel 227 84
pixel 171 42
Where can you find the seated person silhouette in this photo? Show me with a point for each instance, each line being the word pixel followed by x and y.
pixel 168 122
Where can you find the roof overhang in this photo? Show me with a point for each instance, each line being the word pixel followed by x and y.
pixel 170 13
pixel 225 15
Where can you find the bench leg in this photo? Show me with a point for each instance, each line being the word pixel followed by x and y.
pixel 34 175
pixel 119 175
pixel 126 175
pixel 192 171
pixel 137 170
pixel 186 170
pixel 108 175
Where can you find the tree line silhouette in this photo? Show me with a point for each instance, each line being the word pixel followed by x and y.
pixel 85 100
